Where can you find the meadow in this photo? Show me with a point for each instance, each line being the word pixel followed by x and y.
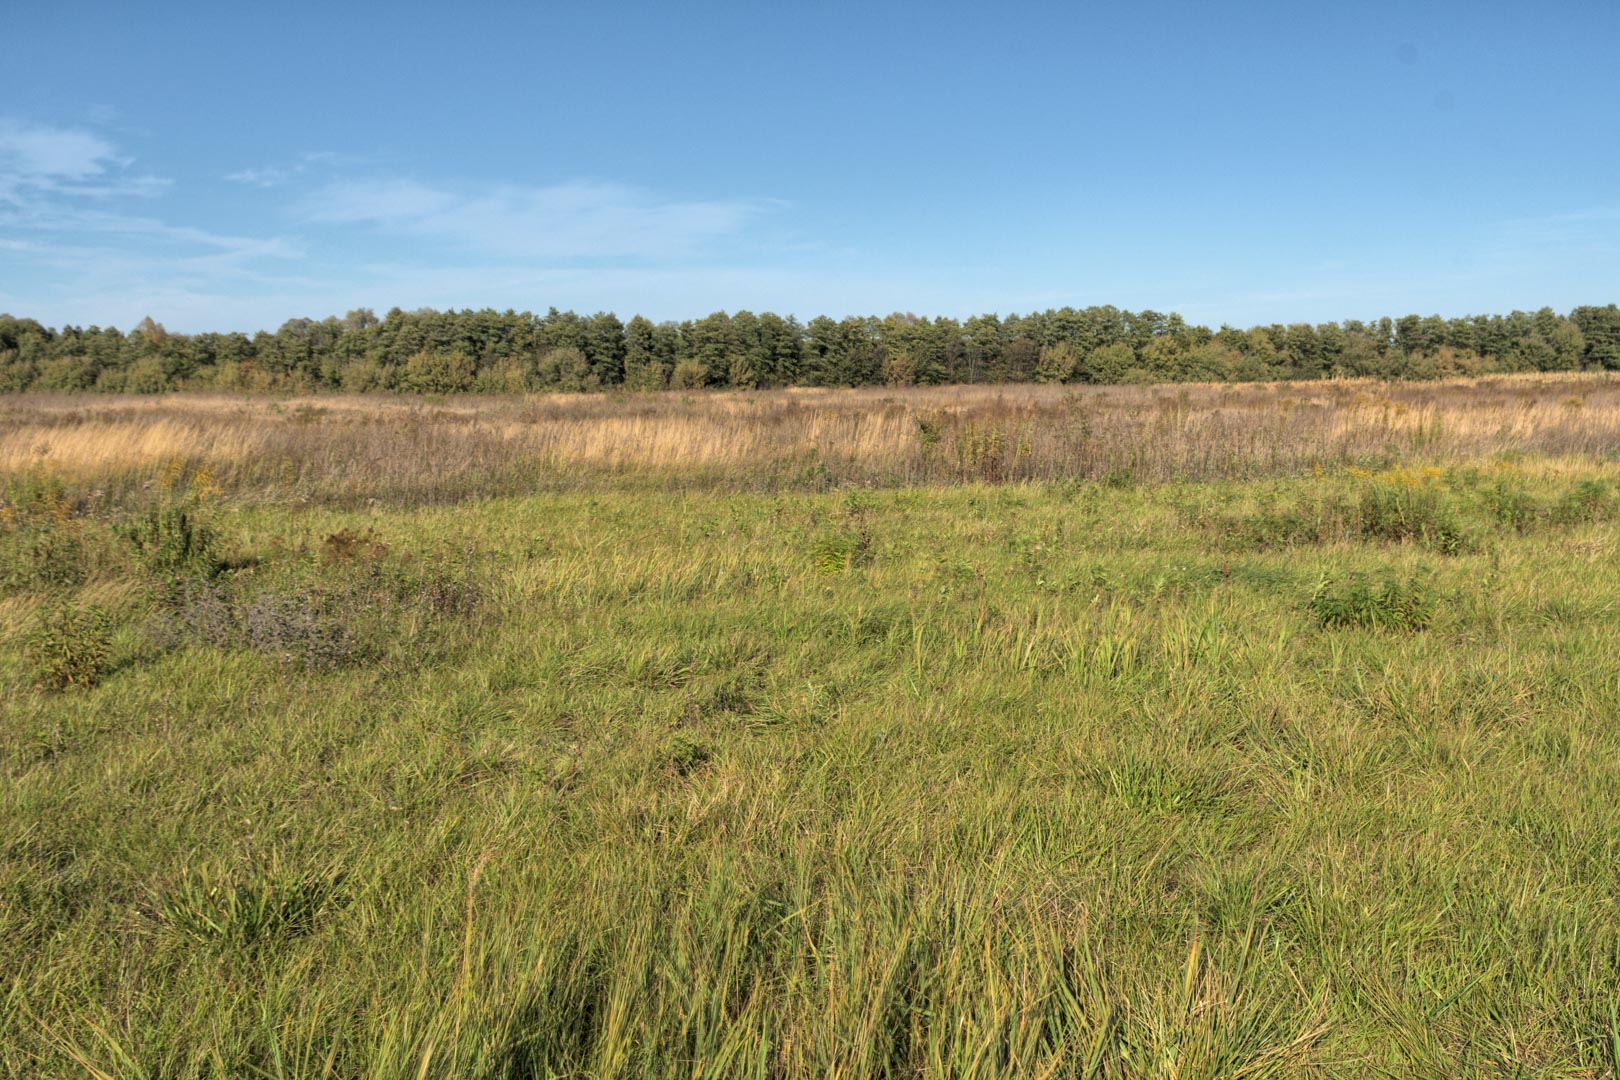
pixel 1203 731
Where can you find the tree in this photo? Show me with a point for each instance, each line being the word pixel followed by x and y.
pixel 1109 364
pixel 1057 363
pixel 688 375
pixel 1600 330
pixel 437 373
pixel 643 368
pixel 565 370
pixel 605 348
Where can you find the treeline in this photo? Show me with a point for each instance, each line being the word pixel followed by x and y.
pixel 503 352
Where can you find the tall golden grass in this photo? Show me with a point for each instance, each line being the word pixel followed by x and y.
pixel 346 448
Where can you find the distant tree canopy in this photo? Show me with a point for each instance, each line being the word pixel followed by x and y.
pixel 444 352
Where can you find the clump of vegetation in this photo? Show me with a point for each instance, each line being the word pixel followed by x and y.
pixel 1379 602
pixel 197 610
pixel 319 620
pixel 42 537
pixel 840 552
pixel 1588 499
pixel 171 540
pixel 300 627
pixel 347 545
pixel 930 428
pixel 1402 506
pixel 248 910
pixel 441 590
pixel 992 453
pixel 69 646
pixel 684 753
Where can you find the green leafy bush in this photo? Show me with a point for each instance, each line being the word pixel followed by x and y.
pixel 1385 602
pixel 838 553
pixel 69 646
pixel 172 539
pixel 42 543
pixel 1408 512
pixel 1507 502
pixel 1587 500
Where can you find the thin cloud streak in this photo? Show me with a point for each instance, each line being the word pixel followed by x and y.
pixel 39 162
pixel 577 220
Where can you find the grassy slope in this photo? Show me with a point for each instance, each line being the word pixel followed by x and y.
pixel 971 782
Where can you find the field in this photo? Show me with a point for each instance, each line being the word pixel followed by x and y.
pixel 1179 732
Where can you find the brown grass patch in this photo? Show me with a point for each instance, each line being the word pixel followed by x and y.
pixel 354 448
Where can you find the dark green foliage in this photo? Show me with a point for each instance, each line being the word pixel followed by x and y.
pixel 443 352
pixel 69 646
pixel 171 539
pixel 1383 602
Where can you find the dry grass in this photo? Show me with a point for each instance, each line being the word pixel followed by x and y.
pixel 351 448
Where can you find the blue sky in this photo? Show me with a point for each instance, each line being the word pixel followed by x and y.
pixel 228 166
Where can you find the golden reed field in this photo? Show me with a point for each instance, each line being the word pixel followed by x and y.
pixel 341 449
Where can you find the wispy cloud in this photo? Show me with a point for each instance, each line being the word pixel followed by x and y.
pixel 37 161
pixel 578 220
pixel 82 229
pixel 269 176
pixel 86 236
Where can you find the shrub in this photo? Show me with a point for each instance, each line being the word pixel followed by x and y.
pixel 50 555
pixel 689 375
pixel 437 373
pixel 566 370
pixel 931 428
pixel 1400 511
pixel 69 646
pixel 1587 500
pixel 1506 501
pixel 41 536
pixel 1384 603
pixel 171 539
pixel 838 553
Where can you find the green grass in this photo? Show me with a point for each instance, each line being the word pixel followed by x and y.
pixel 987 781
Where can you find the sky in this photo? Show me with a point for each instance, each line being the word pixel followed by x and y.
pixel 227 167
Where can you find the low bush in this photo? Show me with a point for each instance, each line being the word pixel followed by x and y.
pixel 172 539
pixel 838 553
pixel 1385 602
pixel 1586 501
pixel 1399 510
pixel 42 542
pixel 69 646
